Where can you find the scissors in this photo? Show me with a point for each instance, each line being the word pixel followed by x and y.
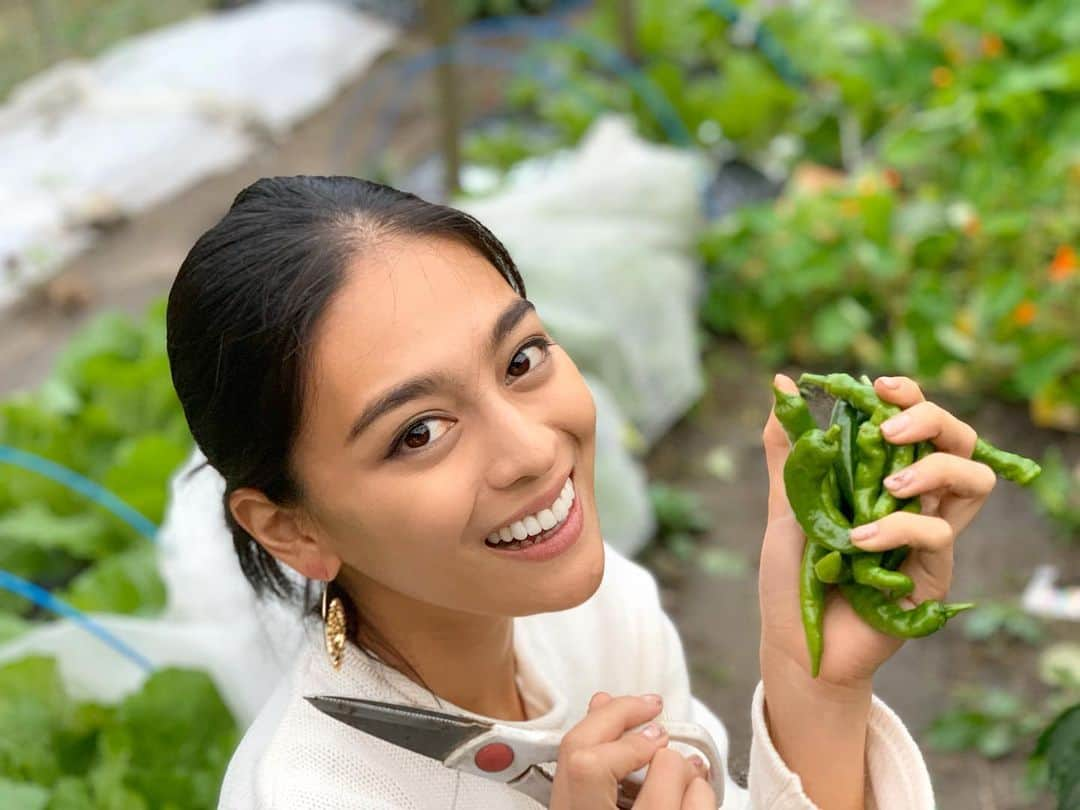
pixel 513 756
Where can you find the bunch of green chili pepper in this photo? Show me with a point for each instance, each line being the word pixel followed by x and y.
pixel 834 480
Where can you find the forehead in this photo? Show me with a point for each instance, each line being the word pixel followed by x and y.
pixel 404 307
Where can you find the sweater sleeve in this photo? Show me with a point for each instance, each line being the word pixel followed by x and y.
pixel 897 776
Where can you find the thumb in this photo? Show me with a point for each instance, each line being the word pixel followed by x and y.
pixel 777 447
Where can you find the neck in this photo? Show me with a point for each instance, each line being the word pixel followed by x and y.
pixel 465 658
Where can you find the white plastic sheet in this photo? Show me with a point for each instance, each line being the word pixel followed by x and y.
pixel 604 238
pixel 156 114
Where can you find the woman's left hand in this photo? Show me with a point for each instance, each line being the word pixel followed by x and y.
pixel 953 489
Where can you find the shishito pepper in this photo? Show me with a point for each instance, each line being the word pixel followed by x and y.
pixel 817 483
pixel 1008 465
pixel 847 416
pixel 1015 467
pixel 866 569
pixel 868 471
pixel 833 567
pixel 805 471
pixel 877 610
pixel 793 413
pixel 812 604
pixel 860 395
pixel 795 417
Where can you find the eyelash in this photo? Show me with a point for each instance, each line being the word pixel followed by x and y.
pixel 544 343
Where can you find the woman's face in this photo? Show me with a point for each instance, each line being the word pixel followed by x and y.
pixel 406 503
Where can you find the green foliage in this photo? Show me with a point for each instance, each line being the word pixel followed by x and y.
pixel 992 722
pixel 1058 491
pixel 1002 619
pixel 164 746
pixel 680 515
pixel 1057 758
pixel 108 411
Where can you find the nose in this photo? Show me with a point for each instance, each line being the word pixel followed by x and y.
pixel 522 445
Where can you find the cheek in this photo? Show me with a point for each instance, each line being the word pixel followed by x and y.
pixel 575 404
pixel 419 512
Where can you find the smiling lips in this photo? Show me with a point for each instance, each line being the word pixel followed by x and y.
pixel 532 525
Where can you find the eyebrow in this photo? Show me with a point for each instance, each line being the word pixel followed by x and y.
pixel 425 384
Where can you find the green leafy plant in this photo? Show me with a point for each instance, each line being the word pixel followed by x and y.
pixel 680 514
pixel 1058 492
pixel 109 412
pixel 1055 762
pixel 992 722
pixel 165 746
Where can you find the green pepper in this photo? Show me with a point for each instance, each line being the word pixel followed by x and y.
pixel 847 416
pixel 866 569
pixel 876 609
pixel 900 456
pixel 842 385
pixel 1008 465
pixel 868 470
pixel 793 413
pixel 805 471
pixel 812 604
pixel 833 568
pixel 893 558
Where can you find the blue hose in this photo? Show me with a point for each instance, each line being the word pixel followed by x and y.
pixel 43 599
pixel 82 485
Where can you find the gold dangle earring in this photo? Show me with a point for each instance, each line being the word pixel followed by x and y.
pixel 334 627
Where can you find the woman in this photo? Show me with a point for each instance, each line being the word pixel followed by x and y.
pixel 392 420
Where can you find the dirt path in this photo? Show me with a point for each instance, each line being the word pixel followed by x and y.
pixel 718 617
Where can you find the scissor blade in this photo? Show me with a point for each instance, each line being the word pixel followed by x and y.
pixel 433 734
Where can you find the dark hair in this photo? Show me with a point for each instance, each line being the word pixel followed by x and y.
pixel 241 314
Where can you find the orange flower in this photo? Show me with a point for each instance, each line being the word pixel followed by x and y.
pixel 867 185
pixel 1064 263
pixel 849 207
pixel 892 178
pixel 973 226
pixel 991 45
pixel 1024 313
pixel 941 76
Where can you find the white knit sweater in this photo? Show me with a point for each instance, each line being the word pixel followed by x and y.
pixel 619 641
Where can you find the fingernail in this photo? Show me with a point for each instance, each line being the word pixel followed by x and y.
pixel 894 425
pixel 864 531
pixel 697 762
pixel 654 698
pixel 890 382
pixel 652 731
pixel 898 480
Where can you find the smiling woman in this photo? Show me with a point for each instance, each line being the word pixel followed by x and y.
pixel 393 420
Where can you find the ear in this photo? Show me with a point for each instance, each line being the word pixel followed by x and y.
pixel 279 530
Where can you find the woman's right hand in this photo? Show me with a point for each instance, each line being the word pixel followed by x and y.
pixel 600 751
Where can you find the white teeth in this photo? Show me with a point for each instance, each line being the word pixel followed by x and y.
pixel 546 518
pixel 542 521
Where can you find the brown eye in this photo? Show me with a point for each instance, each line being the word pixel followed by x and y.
pixel 418 436
pixel 523 366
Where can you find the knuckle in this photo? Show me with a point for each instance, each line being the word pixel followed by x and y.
pixel 582 764
pixel 942 533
